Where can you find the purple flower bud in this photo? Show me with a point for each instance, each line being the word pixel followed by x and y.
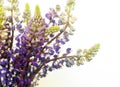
pixel 21 31
pixel 68 64
pixel 61 30
pixel 26 37
pixel 18 44
pixel 55 56
pixel 48 16
pixel 35 64
pixel 27 80
pixel 22 83
pixel 37 55
pixel 56 48
pixel 50 69
pixel 19 26
pixel 51 35
pixel 68 50
pixel 15 79
pixel 3 63
pixel 42 59
pixel 44 71
pixel 52 21
pixel 53 12
pixel 13 28
pixel 60 22
pixel 62 42
pixel 51 52
pixel 66 39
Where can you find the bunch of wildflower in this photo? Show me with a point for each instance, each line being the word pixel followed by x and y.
pixel 36 49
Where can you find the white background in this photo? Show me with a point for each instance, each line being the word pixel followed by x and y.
pixel 98 22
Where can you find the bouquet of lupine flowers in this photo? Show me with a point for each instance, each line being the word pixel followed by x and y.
pixel 30 46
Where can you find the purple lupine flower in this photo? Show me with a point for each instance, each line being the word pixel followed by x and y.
pixel 55 56
pixel 62 41
pixel 34 63
pixel 60 22
pixel 49 16
pixel 19 26
pixel 27 80
pixel 21 31
pixel 56 48
pixel 13 28
pixel 51 52
pixel 50 69
pixel 35 50
pixel 22 83
pixel 68 50
pixel 53 12
pixel 51 35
